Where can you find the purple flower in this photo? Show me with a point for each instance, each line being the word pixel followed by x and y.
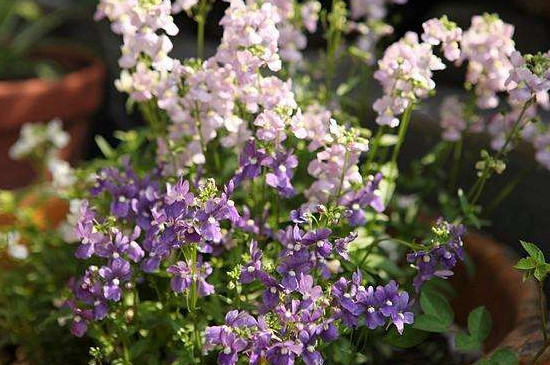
pixel 402 315
pixel 298 216
pixel 251 161
pixel 116 273
pixel 292 266
pixel 81 318
pixel 250 271
pixel 341 245
pixel 310 355
pixel 87 234
pixel 214 211
pixel 372 300
pixel 357 201
pixel 310 293
pixel 440 260
pixel 283 353
pixel 348 309
pixel 282 168
pixel 319 238
pixel 183 277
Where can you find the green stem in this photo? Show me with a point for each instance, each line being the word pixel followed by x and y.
pixel 457 155
pixel 542 309
pixel 375 143
pixel 343 175
pixel 404 126
pixel 506 191
pixel 479 185
pixel 543 320
pixel 334 39
pixel 201 23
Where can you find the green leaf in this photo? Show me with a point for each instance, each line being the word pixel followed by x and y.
pixel 484 362
pixel 526 264
pixel 411 337
pixel 479 323
pixel 429 323
pixel 104 146
pixel 541 271
pixel 437 306
pixel 348 86
pixel 533 251
pixel 467 343
pixel 504 357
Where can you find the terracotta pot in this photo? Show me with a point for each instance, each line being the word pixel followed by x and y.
pixel 73 98
pixel 498 286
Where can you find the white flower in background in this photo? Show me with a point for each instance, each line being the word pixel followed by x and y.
pixel 43 139
pixel 66 229
pixel 62 173
pixel 15 250
pixel 184 5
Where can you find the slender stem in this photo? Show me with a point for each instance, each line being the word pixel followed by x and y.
pixel 375 143
pixel 506 191
pixel 201 22
pixel 542 309
pixel 198 124
pixel 405 121
pixel 477 188
pixel 404 125
pixel 543 320
pixel 334 39
pixel 539 354
pixel 343 175
pixel 457 155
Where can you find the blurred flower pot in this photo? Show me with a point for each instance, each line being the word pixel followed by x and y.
pixel 73 98
pixel 496 285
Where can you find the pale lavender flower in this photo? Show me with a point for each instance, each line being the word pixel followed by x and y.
pixel 405 73
pixel 444 32
pixel 487 46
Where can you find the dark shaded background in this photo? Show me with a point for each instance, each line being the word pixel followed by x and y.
pixel 525 215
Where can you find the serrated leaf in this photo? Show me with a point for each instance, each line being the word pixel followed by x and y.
pixel 526 264
pixel 533 251
pixel 541 271
pixel 411 337
pixel 467 343
pixel 438 306
pixel 480 323
pixel 429 323
pixel 504 357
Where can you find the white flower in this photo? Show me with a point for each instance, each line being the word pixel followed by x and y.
pixel 16 250
pixel 62 173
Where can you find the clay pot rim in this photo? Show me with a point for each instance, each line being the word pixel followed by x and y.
pixel 77 80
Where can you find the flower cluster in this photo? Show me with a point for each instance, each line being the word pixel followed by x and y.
pixel 42 143
pixel 297 316
pixel 405 72
pixel 259 204
pixel 163 221
pixel 145 48
pixel 444 32
pixel 529 78
pixel 487 46
pixel 40 139
pixel 444 251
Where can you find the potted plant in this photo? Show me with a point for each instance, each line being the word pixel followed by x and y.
pixel 257 219
pixel 35 259
pixel 39 82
